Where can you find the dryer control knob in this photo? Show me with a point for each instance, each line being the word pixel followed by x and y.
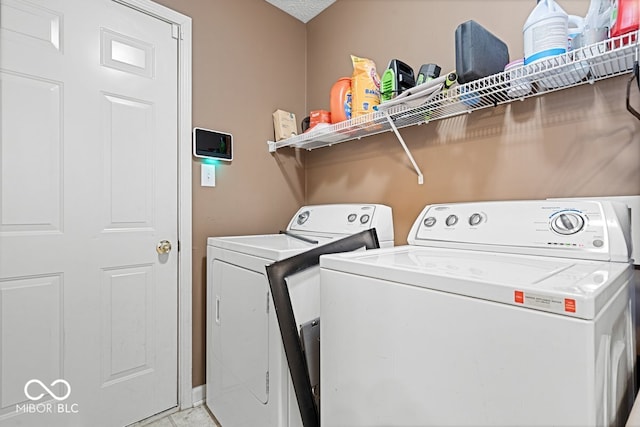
pixel 303 217
pixel 451 220
pixel 429 222
pixel 567 223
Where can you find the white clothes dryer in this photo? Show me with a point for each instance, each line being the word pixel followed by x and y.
pixel 248 381
pixel 496 314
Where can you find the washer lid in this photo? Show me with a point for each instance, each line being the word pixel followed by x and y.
pixel 577 288
pixel 270 246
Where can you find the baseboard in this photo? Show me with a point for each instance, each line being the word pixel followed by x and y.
pixel 199 394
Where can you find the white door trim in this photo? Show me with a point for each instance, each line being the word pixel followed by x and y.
pixel 183 22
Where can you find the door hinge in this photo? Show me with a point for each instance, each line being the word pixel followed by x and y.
pixel 175 32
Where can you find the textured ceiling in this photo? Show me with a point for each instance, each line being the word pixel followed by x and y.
pixel 303 10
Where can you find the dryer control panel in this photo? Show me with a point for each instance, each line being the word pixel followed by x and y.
pixel 344 219
pixel 577 229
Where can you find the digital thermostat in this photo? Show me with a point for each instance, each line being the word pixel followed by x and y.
pixel 211 144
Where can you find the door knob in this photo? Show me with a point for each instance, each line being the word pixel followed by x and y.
pixel 163 247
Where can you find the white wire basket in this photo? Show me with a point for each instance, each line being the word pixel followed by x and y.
pixel 605 59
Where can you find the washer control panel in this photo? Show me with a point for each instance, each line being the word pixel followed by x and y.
pixel 548 225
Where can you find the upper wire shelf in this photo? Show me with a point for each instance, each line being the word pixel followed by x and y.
pixel 608 58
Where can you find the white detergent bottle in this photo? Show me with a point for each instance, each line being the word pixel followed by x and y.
pixel 545 32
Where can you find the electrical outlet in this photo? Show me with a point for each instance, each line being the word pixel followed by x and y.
pixel 207 175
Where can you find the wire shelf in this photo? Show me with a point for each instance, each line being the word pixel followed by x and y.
pixel 588 64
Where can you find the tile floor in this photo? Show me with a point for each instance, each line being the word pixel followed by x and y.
pixel 198 416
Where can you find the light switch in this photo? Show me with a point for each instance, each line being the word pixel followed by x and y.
pixel 207 175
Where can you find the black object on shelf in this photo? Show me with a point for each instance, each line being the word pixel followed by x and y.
pixel 397 78
pixel 428 72
pixel 305 123
pixel 478 52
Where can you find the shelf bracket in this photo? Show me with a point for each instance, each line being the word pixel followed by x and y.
pixel 404 147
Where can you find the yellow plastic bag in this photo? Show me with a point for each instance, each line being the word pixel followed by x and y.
pixel 365 86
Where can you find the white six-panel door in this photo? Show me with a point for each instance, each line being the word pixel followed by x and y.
pixel 88 170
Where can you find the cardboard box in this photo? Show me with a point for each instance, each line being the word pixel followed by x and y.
pixel 284 125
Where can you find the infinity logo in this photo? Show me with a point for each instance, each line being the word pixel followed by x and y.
pixel 55 396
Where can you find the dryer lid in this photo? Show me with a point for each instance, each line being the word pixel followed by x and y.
pixel 269 246
pixel 319 223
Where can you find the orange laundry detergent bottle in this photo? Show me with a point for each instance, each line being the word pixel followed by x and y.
pixel 340 101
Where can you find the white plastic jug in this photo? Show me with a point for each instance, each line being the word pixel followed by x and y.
pixel 598 18
pixel 576 27
pixel 545 32
pixel 599 14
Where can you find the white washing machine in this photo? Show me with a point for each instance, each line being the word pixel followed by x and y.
pixel 495 314
pixel 248 381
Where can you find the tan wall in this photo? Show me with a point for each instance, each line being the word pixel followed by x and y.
pixel 575 142
pixel 248 61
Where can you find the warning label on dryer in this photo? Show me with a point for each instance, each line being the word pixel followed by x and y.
pixel 545 302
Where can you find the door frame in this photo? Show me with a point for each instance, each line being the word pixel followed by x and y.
pixel 182 25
